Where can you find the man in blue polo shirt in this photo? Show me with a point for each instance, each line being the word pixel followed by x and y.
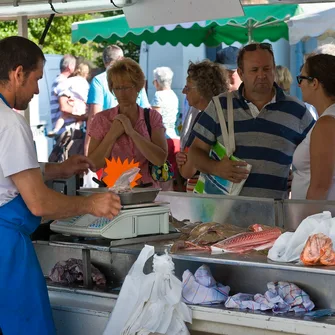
pixel 268 126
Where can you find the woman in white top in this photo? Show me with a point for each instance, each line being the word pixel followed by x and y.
pixel 165 101
pixel 314 158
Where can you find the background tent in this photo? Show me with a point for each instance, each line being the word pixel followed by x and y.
pixel 259 23
pixel 312 24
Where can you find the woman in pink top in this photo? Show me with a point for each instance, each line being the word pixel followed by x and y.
pixel 121 131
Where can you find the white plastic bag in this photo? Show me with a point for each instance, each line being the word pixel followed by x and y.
pixel 150 303
pixel 122 184
pixel 289 246
pixel 88 181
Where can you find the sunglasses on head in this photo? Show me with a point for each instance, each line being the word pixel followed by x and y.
pixel 301 78
pixel 255 46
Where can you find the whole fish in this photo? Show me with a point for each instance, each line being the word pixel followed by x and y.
pixel 247 241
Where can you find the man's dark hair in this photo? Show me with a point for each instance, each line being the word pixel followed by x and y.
pixel 254 47
pixel 18 51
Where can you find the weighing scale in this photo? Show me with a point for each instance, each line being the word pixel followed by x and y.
pixel 132 221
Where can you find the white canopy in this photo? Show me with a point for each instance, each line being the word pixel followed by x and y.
pixel 12 9
pixel 312 24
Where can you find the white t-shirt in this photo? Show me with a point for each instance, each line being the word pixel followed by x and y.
pixel 17 150
pixel 302 166
pixel 168 102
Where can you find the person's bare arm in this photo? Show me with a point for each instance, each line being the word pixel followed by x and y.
pixel 186 168
pixel 156 108
pixel 45 202
pixel 76 164
pixel 67 109
pixel 93 109
pixel 99 150
pixel 156 150
pixel 322 153
pixel 226 169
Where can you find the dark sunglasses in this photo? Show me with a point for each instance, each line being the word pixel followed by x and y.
pixel 300 79
pixel 255 46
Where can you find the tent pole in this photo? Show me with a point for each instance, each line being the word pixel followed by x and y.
pixel 250 26
pixel 22 23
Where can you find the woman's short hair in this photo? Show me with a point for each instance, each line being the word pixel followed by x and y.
pixel 322 67
pixel 210 78
pixel 128 68
pixel 283 77
pixel 163 75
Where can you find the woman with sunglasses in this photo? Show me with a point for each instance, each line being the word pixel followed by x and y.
pixel 121 132
pixel 205 80
pixel 314 158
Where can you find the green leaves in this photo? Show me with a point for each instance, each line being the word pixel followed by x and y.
pixel 58 38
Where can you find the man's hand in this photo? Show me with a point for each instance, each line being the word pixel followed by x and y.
pixel 232 170
pixel 76 164
pixel 106 205
pixel 181 158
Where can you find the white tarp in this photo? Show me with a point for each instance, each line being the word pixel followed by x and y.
pixel 312 24
pixel 163 12
pixel 41 8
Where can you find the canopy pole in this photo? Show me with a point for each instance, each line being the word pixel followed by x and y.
pixel 22 23
pixel 250 26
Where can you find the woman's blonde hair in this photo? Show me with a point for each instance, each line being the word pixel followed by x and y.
pixel 126 67
pixel 82 70
pixel 283 77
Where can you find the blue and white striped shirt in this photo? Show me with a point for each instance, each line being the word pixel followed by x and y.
pixel 267 141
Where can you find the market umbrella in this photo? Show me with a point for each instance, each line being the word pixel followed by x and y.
pixel 259 23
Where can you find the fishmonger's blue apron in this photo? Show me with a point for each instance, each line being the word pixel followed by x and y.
pixel 24 302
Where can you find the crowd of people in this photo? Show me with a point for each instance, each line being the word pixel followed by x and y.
pixel 274 132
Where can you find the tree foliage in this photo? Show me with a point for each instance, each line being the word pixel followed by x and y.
pixel 58 38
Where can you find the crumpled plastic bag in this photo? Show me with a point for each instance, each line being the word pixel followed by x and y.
pixel 202 289
pixel 122 184
pixel 150 303
pixel 289 246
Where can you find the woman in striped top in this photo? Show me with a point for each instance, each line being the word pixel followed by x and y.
pixel 205 80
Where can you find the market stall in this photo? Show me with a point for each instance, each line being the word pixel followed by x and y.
pixel 85 307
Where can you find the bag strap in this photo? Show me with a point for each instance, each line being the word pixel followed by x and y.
pixel 228 135
pixel 147 120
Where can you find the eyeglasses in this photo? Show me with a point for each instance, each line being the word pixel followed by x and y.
pixel 255 46
pixel 123 88
pixel 300 78
pixel 188 88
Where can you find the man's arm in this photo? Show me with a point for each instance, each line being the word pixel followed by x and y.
pixel 67 109
pixel 45 202
pixel 76 164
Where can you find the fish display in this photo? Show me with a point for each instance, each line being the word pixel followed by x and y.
pixel 243 242
pixel 224 237
pixel 318 250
